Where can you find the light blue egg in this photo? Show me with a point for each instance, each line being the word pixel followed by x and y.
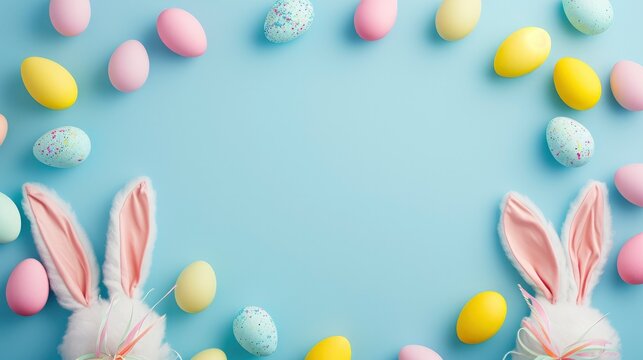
pixel 288 20
pixel 570 143
pixel 10 222
pixel 590 17
pixel 63 147
pixel 255 331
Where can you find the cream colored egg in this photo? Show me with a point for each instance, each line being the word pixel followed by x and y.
pixel 196 287
pixel 210 354
pixel 456 19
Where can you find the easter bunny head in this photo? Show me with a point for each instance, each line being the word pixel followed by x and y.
pixel 123 328
pixel 562 324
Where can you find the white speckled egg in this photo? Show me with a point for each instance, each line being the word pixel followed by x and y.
pixel 590 17
pixel 288 20
pixel 63 147
pixel 255 331
pixel 570 143
pixel 10 222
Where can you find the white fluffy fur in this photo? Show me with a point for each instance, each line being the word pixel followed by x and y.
pixel 56 282
pixel 112 264
pixel 569 320
pixel 84 323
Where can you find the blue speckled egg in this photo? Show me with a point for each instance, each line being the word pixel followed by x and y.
pixel 570 143
pixel 590 17
pixel 63 147
pixel 288 20
pixel 255 331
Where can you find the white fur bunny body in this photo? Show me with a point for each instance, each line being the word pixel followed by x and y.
pixel 562 324
pixel 124 327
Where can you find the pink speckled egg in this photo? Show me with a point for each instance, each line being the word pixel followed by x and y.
pixel 375 18
pixel 4 128
pixel 70 17
pixel 418 352
pixel 630 261
pixel 28 288
pixel 181 32
pixel 627 84
pixel 629 182
pixel 129 66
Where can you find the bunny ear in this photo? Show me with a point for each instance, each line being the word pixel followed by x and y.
pixel 587 235
pixel 131 237
pixel 532 245
pixel 63 247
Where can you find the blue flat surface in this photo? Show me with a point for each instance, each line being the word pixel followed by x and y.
pixel 350 188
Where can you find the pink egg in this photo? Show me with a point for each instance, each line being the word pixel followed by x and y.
pixel 27 288
pixel 627 84
pixel 129 66
pixel 629 182
pixel 418 352
pixel 70 17
pixel 4 128
pixel 181 32
pixel 630 261
pixel 375 18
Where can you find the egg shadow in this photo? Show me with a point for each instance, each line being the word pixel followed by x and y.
pixel 349 32
pixel 566 24
pixel 259 35
pixel 157 51
pixel 232 348
pixel 42 23
pixel 18 96
pixel 615 107
pixel 432 31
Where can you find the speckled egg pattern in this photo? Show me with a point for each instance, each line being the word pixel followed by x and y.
pixel 590 17
pixel 288 19
pixel 255 331
pixel 570 143
pixel 62 147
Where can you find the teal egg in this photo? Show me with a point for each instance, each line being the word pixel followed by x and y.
pixel 255 331
pixel 590 17
pixel 10 222
pixel 63 147
pixel 288 20
pixel 570 143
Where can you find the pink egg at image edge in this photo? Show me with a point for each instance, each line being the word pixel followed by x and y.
pixel 629 264
pixel 628 180
pixel 626 81
pixel 70 17
pixel 4 128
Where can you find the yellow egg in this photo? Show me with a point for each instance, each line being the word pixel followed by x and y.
pixel 210 354
pixel 522 52
pixel 481 317
pixel 50 84
pixel 332 348
pixel 196 287
pixel 456 19
pixel 577 84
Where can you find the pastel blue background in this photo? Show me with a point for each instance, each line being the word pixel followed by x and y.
pixel 350 188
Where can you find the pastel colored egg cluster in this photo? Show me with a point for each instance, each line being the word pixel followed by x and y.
pixel 570 143
pixel 255 331
pixel 288 20
pixel 63 147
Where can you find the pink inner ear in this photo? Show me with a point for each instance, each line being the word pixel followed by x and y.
pixel 531 247
pixel 586 240
pixel 63 244
pixel 135 234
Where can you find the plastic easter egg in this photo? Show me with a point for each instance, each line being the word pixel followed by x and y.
pixel 375 18
pixel 629 182
pixel 456 19
pixel 50 84
pixel 28 288
pixel 129 66
pixel 626 81
pixel 210 354
pixel 181 32
pixel 418 352
pixel 255 331
pixel 70 17
pixel 334 347
pixel 288 20
pixel 569 142
pixel 4 128
pixel 196 287
pixel 577 84
pixel 481 318
pixel 10 222
pixel 63 147
pixel 522 52
pixel 590 17
pixel 629 264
